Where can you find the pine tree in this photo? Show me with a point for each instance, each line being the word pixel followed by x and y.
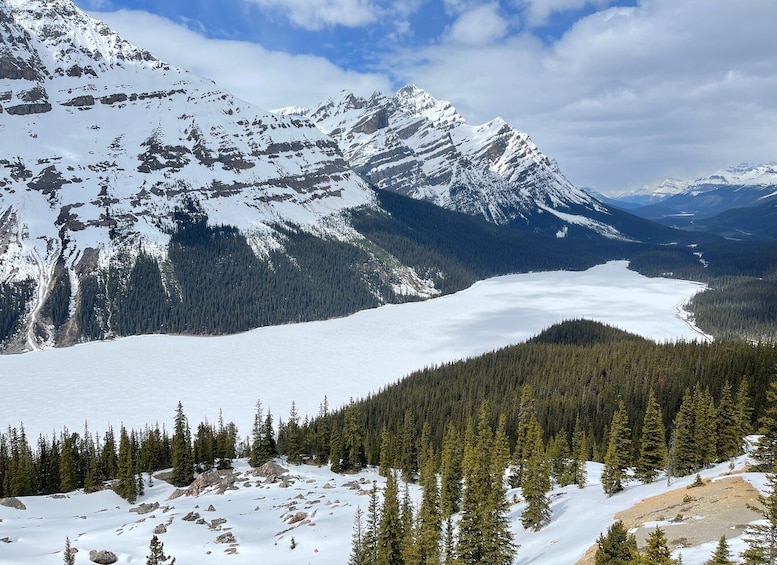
pixel 357 540
pixel 761 536
pixel 354 457
pixel 408 462
pixel 68 462
pixel 427 541
pixel 536 481
pixel 722 555
pixel 322 433
pixel 616 460
pixel 656 551
pixel 450 472
pixel 579 456
pixel 684 455
pixel 744 409
pixel 389 546
pixel 156 552
pixel 69 554
pixel 526 410
pixel 386 452
pixel 618 547
pixel 126 486
pixel 335 450
pixel 652 445
pixel 727 431
pixel 766 451
pixel 370 538
pixel 183 458
pixel 705 437
pixel 256 437
pixel 294 444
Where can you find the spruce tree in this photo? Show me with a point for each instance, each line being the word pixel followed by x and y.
pixel 69 554
pixel 705 436
pixel 450 472
pixel 684 455
pixel 618 547
pixel 183 458
pixel 126 486
pixel 579 456
pixel 386 452
pixel 526 410
pixel 617 458
pixel 294 443
pixel 652 445
pixel 370 537
pixel 156 552
pixel 722 555
pixel 357 540
pixel 656 551
pixel 389 542
pixel 727 431
pixel 761 536
pixel 256 437
pixel 536 481
pixel 766 451
pixel 335 450
pixel 408 463
pixel 322 433
pixel 429 531
pixel 353 454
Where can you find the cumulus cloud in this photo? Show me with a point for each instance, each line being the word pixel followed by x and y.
pixel 318 14
pixel 537 12
pixel 479 26
pixel 270 79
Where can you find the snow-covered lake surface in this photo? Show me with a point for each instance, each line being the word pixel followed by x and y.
pixel 139 380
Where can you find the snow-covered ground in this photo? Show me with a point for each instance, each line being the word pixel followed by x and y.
pixel 140 380
pixel 259 516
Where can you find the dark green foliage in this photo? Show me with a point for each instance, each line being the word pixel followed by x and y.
pixel 57 304
pixel 68 554
pixel 618 456
pixel 389 538
pixel 156 552
pixel 657 552
pixel 141 305
pixel 582 333
pixel 571 382
pixel 618 547
pixel 761 536
pixel 183 458
pixel 722 555
pixel 126 485
pixel 536 481
pixel 652 444
pixel 14 298
pixel 766 451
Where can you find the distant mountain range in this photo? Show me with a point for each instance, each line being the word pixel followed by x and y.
pixel 739 202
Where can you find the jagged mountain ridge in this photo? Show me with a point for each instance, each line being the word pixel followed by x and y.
pixel 418 146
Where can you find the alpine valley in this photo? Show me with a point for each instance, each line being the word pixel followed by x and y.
pixel 138 198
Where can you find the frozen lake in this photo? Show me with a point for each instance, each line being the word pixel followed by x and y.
pixel 140 380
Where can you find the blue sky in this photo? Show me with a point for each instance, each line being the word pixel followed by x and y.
pixel 621 93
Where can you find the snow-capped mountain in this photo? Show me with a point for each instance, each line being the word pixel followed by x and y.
pixel 742 186
pixel 421 147
pixel 108 141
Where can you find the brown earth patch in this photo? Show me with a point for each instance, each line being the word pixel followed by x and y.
pixel 697 515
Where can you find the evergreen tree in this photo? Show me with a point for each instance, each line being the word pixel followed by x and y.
pixel 526 409
pixel 156 552
pixel 408 462
pixel 354 457
pixel 722 555
pixel 69 554
pixel 183 458
pixel 335 450
pixel 108 457
pixel 727 429
pixel 656 551
pixel 618 547
pixel 484 533
pixel 617 458
pixel 357 556
pixel 652 445
pixel 536 481
pixel 761 536
pixel 389 546
pixel 322 433
pixel 449 543
pixel 766 451
pixel 387 453
pixel 255 457
pixel 450 472
pixel 370 538
pixel 294 443
pixel 705 436
pixel 579 455
pixel 558 457
pixel 744 409
pixel 126 486
pixel 68 462
pixel 427 542
pixel 684 455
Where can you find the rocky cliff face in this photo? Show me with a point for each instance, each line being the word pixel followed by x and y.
pixel 415 145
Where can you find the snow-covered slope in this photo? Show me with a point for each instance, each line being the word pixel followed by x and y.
pixel 415 145
pixel 102 143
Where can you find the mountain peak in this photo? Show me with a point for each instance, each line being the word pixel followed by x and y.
pixel 418 102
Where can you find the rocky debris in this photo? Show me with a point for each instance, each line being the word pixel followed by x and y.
pixel 6 539
pixel 80 101
pixel 160 529
pixel 27 109
pixel 226 537
pixel 221 479
pixel 216 523
pixel 102 557
pixel 145 508
pixel 298 517
pixel 191 517
pixel 210 508
pixel 269 468
pixel 12 502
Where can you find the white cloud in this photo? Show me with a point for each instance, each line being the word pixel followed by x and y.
pixel 479 26
pixel 628 96
pixel 269 79
pixel 318 14
pixel 537 12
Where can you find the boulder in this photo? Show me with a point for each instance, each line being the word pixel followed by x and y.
pixel 145 508
pixel 271 468
pixel 160 529
pixel 226 537
pixel 12 502
pixel 102 557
